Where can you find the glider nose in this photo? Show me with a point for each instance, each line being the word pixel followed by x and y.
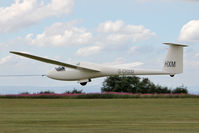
pixel 50 74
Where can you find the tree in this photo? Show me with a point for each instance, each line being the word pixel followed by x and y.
pixel 134 84
pixel 120 84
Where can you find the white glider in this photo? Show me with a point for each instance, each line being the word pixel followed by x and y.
pixel 84 72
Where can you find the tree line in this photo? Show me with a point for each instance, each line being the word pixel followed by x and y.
pixel 134 84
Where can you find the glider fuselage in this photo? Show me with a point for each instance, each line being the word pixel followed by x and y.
pixel 77 75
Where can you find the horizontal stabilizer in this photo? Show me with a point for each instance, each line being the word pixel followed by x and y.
pixel 175 44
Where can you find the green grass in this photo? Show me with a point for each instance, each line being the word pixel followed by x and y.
pixel 99 115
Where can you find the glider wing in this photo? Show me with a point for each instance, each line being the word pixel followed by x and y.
pixel 50 61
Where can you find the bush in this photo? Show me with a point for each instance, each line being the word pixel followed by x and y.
pixel 74 91
pixel 46 92
pixel 180 90
pixel 24 93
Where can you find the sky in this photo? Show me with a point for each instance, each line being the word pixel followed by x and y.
pixel 99 31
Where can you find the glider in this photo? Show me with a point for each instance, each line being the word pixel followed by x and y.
pixel 84 72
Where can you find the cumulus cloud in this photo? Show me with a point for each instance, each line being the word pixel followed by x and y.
pixel 110 26
pixel 12 60
pixel 67 34
pixel 109 32
pixel 190 32
pixel 87 51
pixel 23 13
pixel 6 59
pixel 60 34
pixel 119 32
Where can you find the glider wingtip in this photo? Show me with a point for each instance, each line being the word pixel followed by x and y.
pixel 12 52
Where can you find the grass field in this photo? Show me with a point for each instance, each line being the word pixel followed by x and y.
pixel 99 115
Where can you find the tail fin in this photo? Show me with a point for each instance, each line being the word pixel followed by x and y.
pixel 174 59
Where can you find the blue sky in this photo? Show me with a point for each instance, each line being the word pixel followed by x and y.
pixel 103 32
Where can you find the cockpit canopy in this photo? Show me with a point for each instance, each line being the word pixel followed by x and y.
pixel 60 68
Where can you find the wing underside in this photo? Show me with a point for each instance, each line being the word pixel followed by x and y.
pixel 50 61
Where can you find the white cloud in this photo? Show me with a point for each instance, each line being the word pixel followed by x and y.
pixel 23 13
pixel 87 51
pixel 190 32
pixel 12 60
pixel 67 34
pixel 60 34
pixel 119 33
pixel 5 59
pixel 110 26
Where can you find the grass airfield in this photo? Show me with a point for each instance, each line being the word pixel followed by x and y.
pixel 148 115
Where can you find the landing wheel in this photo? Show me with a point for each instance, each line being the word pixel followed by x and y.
pixel 83 83
pixel 172 75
